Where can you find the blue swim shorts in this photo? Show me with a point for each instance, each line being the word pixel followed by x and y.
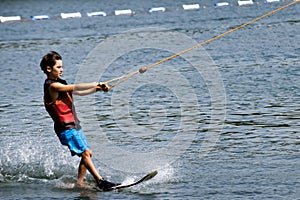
pixel 75 140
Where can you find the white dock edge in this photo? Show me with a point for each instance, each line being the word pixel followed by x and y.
pixel 10 18
pixel 191 6
pixel 70 15
pixel 123 12
pixel 100 13
pixel 271 1
pixel 245 2
pixel 221 4
pixel 157 9
pixel 40 17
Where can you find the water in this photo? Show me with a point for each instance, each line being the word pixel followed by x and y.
pixel 256 154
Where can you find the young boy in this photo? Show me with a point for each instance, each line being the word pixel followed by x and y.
pixel 58 102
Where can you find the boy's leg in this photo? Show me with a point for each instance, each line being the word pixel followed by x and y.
pixel 81 173
pixel 86 163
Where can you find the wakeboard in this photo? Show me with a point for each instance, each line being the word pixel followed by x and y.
pixel 143 179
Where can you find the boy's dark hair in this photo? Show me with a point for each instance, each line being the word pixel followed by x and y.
pixel 49 60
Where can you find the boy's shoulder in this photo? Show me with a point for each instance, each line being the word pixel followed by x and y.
pixel 50 81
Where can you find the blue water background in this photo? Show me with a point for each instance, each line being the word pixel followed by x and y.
pixel 257 155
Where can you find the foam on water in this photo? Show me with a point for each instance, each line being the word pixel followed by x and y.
pixel 32 159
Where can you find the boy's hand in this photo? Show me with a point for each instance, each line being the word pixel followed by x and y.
pixel 102 86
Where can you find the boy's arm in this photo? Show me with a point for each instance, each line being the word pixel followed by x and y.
pixel 85 92
pixel 79 89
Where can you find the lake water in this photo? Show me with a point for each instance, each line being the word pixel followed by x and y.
pixel 219 122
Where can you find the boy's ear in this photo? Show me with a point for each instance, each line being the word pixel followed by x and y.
pixel 49 69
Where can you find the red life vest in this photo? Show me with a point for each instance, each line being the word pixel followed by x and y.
pixel 62 110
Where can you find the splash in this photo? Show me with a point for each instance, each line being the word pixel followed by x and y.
pixel 34 159
pixel 165 175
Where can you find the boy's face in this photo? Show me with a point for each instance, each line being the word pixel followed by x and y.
pixel 56 71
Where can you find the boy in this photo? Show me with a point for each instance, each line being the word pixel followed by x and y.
pixel 58 102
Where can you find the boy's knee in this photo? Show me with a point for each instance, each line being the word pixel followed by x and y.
pixel 87 153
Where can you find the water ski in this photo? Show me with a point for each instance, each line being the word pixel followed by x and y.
pixel 125 185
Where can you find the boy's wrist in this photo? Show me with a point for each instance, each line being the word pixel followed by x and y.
pixel 98 86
